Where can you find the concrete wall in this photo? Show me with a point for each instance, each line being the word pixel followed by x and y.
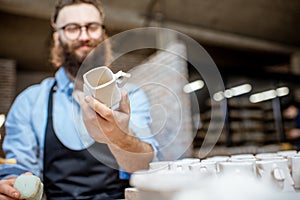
pixel 162 77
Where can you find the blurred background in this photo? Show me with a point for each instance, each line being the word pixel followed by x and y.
pixel 255 44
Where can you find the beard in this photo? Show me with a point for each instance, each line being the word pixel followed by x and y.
pixel 63 54
pixel 72 61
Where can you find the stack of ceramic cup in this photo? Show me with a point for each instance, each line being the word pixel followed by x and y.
pixel 274 172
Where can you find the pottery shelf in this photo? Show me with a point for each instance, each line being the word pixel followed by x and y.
pixel 246 124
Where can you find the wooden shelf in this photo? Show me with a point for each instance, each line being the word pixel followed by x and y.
pixel 248 123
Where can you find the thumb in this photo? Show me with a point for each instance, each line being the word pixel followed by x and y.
pixel 124 103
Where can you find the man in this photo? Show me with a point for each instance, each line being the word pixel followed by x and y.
pixel 44 132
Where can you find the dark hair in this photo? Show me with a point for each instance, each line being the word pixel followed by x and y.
pixel 62 3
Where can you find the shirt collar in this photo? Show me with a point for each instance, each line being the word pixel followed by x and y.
pixel 64 84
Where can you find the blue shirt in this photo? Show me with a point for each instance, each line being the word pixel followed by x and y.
pixel 26 124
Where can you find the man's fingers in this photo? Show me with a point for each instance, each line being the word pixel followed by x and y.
pixel 124 103
pixel 7 189
pixel 100 108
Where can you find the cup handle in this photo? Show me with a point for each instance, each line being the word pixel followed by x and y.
pixel 261 172
pixel 278 174
pixel 122 78
pixel 203 169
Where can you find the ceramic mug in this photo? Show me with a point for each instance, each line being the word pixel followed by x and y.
pixel 217 159
pixel 104 85
pixel 288 154
pixel 183 164
pixel 242 157
pixel 296 171
pixel 209 168
pixel 268 156
pixel 159 165
pixel 237 168
pixel 276 172
pixel 241 160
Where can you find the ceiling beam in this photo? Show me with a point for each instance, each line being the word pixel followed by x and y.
pixel 121 20
pixel 124 20
pixel 231 40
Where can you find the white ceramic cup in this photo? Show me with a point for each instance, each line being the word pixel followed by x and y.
pixel 288 154
pixel 241 160
pixel 159 165
pixel 183 164
pixel 277 173
pixel 242 157
pixel 104 85
pixel 296 171
pixel 268 156
pixel 217 159
pixel 209 168
pixel 237 168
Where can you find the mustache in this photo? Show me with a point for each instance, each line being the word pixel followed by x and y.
pixel 78 44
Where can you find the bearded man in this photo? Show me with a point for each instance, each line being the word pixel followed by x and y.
pixel 80 148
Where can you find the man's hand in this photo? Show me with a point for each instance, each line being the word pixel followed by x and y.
pixel 112 127
pixel 7 191
pixel 103 124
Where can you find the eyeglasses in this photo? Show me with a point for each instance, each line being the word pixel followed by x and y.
pixel 72 31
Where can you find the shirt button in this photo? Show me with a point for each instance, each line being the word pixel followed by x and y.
pixel 70 90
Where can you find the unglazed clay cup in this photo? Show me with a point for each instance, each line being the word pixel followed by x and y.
pixel 104 85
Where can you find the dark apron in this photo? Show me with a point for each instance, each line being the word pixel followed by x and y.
pixel 71 174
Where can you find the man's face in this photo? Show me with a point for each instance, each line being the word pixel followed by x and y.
pixel 84 18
